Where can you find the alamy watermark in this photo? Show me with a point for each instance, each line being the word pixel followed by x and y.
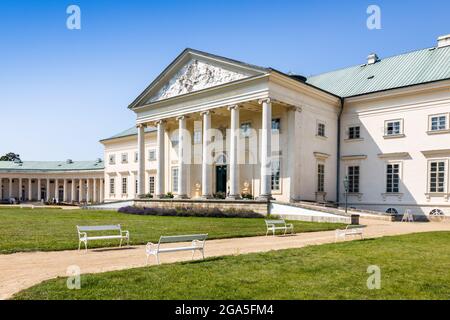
pixel 374 20
pixel 374 280
pixel 74 277
pixel 73 21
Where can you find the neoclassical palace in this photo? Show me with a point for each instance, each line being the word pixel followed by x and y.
pixel 376 133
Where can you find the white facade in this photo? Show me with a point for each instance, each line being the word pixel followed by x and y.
pixel 394 146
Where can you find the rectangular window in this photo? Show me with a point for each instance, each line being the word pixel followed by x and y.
pixel 438 123
pixel 136 156
pixel 393 127
pixel 246 129
pixel 151 184
pixel 175 179
pixel 197 136
pixel 124 157
pixel 112 186
pixel 353 179
pixel 276 172
pixel 124 186
pixel 392 178
pixel 354 132
pixel 112 159
pixel 276 125
pixel 136 186
pixel 437 174
pixel 152 155
pixel 320 177
pixel 321 129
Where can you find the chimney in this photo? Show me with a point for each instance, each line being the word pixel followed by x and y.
pixel 372 58
pixel 444 41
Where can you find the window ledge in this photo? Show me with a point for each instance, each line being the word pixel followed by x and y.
pixel 394 136
pixel 444 195
pixel 355 194
pixel 321 137
pixel 432 132
pixel 399 195
pixel 353 140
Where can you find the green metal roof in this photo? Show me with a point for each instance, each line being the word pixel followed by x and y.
pixel 47 166
pixel 417 67
pixel 129 132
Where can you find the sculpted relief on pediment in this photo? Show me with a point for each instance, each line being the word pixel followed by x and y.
pixel 194 76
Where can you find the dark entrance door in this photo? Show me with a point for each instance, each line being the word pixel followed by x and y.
pixel 221 179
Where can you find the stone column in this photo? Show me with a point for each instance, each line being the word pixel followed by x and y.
pixel 39 191
pixel 80 191
pixel 56 190
pixel 266 150
pixel 65 198
pixel 141 159
pixel 159 188
pixel 101 193
pixel 72 191
pixel 206 156
pixel 233 158
pixel 182 194
pixel 10 188
pixel 30 190
pixel 95 191
pixel 47 190
pixel 88 190
pixel 20 190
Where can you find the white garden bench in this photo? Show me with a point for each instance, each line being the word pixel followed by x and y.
pixel 197 243
pixel 274 225
pixel 350 230
pixel 83 236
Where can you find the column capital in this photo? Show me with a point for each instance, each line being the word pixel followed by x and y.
pixel 181 118
pixel 162 121
pixel 141 125
pixel 206 112
pixel 265 100
pixel 295 108
pixel 233 107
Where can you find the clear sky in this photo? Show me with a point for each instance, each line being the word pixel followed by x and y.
pixel 63 90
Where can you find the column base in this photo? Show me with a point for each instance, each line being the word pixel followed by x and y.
pixel 233 197
pixel 160 196
pixel 264 197
pixel 181 196
pixel 206 197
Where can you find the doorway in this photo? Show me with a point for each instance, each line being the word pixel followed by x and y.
pixel 221 178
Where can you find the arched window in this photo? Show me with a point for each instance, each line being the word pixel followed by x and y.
pixel 392 211
pixel 436 212
pixel 221 159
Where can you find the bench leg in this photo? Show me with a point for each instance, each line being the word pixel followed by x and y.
pixel 193 253
pixel 79 245
pixel 267 232
pixel 203 254
pixel 120 244
pixel 85 246
pixel 157 258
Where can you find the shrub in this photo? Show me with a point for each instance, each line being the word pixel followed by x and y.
pixel 247 196
pixel 146 196
pixel 219 195
pixel 191 212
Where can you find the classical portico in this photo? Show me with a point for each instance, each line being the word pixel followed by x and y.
pixel 207 109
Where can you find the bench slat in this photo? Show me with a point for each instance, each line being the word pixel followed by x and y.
pixel 275 222
pixel 184 238
pixel 99 228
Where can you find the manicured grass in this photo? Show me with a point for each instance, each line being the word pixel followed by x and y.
pixel 413 266
pixel 55 229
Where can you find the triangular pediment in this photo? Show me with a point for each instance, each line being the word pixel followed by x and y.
pixel 194 71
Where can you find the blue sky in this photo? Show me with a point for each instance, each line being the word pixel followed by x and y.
pixel 63 90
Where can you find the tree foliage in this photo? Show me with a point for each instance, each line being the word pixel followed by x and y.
pixel 11 156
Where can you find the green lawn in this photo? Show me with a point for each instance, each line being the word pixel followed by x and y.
pixel 55 229
pixel 412 267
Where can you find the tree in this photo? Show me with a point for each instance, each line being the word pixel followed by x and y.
pixel 11 156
